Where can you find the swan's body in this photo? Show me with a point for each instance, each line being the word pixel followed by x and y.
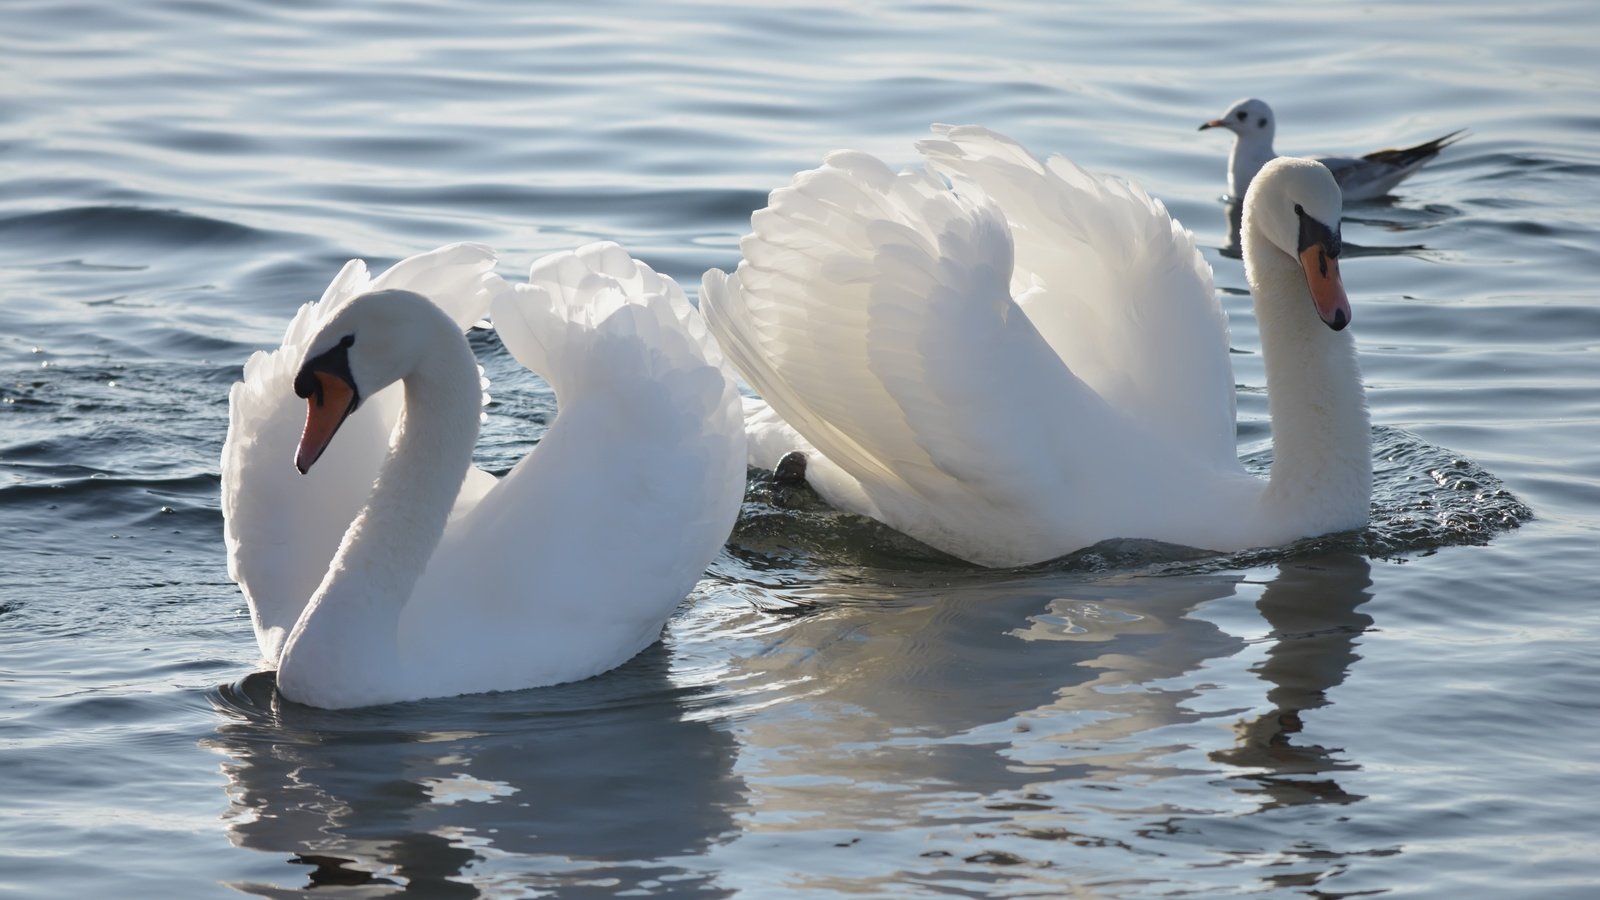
pixel 1008 414
pixel 1360 177
pixel 394 569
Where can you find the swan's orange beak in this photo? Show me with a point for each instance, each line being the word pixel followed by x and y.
pixel 331 402
pixel 1327 290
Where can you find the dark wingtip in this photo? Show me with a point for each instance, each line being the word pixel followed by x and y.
pixel 1419 154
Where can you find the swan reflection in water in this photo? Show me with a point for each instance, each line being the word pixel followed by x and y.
pixel 606 779
pixel 1312 610
pixel 1051 725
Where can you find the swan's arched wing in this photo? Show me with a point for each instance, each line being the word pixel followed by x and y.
pixel 282 528
pixel 611 520
pixel 795 318
pixel 456 277
pixel 1112 282
pixel 872 310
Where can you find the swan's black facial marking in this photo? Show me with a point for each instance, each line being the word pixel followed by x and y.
pixel 1315 234
pixel 1318 251
pixel 336 362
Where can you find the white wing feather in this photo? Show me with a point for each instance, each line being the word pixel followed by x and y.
pixel 610 521
pixel 1115 285
pixel 874 311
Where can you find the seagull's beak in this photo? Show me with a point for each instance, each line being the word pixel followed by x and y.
pixel 328 404
pixel 1214 123
pixel 1327 290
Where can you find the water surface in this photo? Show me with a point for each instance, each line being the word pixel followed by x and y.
pixel 1409 710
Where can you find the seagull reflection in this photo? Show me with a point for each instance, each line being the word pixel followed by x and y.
pixel 545 789
pixel 1233 211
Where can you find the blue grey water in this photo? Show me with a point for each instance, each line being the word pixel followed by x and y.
pixel 1406 711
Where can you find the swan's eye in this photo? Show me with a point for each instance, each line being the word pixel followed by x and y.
pixel 347 341
pixel 1242 115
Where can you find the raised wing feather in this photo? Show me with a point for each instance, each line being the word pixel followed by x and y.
pixel 282 528
pixel 611 520
pixel 1114 284
pixel 873 311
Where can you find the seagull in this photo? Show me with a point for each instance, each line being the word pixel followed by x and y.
pixel 1361 178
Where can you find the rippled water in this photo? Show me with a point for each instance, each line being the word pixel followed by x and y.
pixel 1407 710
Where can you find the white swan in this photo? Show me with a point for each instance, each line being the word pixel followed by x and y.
pixel 394 569
pixel 1360 177
pixel 1008 414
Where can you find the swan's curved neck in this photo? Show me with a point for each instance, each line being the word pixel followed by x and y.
pixel 348 629
pixel 1321 438
pixel 388 544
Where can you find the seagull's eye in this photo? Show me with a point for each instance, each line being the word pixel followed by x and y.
pixel 1243 115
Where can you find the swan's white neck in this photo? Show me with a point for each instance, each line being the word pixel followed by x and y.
pixel 1321 438
pixel 347 634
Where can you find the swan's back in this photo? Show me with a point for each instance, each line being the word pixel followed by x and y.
pixel 282 528
pixel 594 537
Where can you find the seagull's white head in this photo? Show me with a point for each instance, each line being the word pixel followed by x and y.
pixel 1250 119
